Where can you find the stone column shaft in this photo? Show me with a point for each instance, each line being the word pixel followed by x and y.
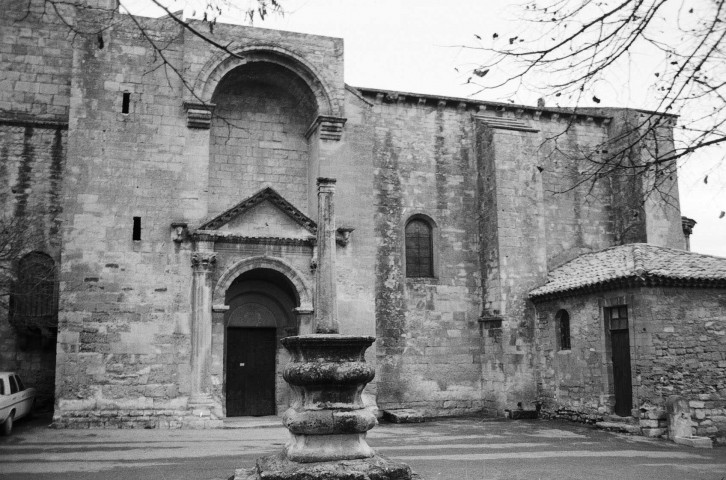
pixel 326 307
pixel 203 264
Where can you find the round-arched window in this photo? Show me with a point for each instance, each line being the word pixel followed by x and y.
pixel 419 249
pixel 562 322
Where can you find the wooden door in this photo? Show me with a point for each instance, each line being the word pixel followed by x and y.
pixel 251 371
pixel 621 372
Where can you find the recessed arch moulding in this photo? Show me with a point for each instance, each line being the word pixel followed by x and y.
pixel 220 64
pixel 300 284
pixel 317 64
pixel 262 280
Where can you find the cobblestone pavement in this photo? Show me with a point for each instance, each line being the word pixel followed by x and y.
pixel 462 448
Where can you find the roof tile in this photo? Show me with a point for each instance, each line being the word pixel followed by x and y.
pixel 636 261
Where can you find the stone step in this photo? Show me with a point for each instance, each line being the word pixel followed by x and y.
pixel 619 427
pixel 619 419
pixel 269 421
pixel 404 415
pixel 695 442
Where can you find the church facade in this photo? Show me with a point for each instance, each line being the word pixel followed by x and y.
pixel 171 187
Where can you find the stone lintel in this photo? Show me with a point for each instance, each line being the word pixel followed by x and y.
pixel 199 115
pixel 331 128
pixel 490 322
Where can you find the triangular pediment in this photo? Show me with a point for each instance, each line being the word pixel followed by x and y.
pixel 265 214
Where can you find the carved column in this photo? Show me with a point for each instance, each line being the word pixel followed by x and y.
pixel 326 307
pixel 203 264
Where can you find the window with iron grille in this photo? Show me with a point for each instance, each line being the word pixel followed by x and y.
pixel 419 249
pixel 34 302
pixel 34 294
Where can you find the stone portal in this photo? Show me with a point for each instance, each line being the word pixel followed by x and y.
pixel 328 372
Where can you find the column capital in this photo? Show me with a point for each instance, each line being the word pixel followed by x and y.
pixel 326 185
pixel 331 128
pixel 199 115
pixel 204 261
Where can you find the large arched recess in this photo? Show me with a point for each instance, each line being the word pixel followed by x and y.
pixel 266 100
pixel 222 63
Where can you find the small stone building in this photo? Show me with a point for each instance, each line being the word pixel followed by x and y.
pixel 170 189
pixel 621 330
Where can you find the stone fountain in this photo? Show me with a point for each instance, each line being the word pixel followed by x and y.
pixel 328 372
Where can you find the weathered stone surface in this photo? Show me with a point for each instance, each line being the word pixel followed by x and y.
pixel 619 427
pixel 679 417
pixel 327 419
pixel 404 415
pixel 696 442
pixel 277 467
pixel 676 349
pixel 462 340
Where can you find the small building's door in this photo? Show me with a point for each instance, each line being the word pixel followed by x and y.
pixel 620 343
pixel 251 371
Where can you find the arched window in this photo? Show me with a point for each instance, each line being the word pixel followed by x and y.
pixel 34 294
pixel 419 249
pixel 562 321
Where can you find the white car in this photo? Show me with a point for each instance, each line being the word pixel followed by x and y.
pixel 16 401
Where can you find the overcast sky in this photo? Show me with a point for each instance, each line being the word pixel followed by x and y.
pixel 416 46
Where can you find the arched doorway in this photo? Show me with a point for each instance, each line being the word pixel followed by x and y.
pixel 261 303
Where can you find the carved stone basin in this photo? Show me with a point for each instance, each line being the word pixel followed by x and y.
pixel 327 419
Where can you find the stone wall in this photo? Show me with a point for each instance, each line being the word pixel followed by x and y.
pixel 258 138
pixel 677 338
pixel 125 346
pixel 36 50
pixel 32 157
pixel 428 336
pixel 36 54
pixel 503 204
pixel 532 218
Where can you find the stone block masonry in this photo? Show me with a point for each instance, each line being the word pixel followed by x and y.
pixel 32 156
pixel 678 347
pixel 108 146
pixel 428 334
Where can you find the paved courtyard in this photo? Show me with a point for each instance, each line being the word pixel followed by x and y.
pixel 462 448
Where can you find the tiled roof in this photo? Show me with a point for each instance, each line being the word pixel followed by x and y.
pixel 634 264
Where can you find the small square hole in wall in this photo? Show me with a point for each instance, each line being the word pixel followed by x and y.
pixel 125 103
pixel 136 234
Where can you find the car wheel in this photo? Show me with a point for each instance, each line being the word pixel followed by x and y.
pixel 7 426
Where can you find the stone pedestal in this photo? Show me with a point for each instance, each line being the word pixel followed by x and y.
pixel 327 420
